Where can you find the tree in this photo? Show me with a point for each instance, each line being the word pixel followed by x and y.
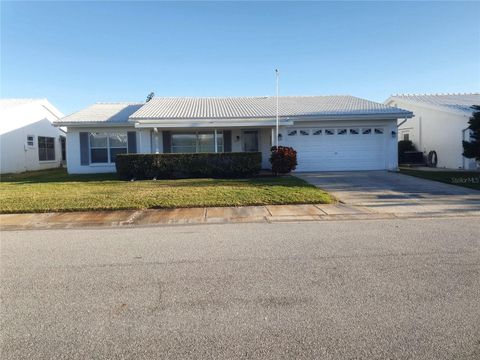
pixel 471 149
pixel 150 96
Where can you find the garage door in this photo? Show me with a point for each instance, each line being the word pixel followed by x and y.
pixel 337 149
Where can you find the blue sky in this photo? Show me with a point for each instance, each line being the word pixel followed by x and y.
pixel 76 54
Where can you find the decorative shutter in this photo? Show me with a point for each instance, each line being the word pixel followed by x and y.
pixel 84 153
pixel 167 142
pixel 132 142
pixel 227 141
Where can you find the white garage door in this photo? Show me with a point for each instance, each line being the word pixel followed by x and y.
pixel 338 149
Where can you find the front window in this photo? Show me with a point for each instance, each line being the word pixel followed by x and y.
pixel 197 142
pixel 104 147
pixel 46 148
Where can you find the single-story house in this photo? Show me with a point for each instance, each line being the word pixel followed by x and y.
pixel 28 140
pixel 439 124
pixel 329 132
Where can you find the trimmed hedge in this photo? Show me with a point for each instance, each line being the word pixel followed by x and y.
pixel 176 166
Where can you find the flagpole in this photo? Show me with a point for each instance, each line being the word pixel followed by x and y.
pixel 276 122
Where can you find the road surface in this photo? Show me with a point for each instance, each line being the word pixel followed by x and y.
pixel 400 289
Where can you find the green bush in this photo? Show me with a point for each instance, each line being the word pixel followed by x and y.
pixel 283 159
pixel 405 145
pixel 198 165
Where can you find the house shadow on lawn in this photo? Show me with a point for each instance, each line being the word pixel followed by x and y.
pixel 60 175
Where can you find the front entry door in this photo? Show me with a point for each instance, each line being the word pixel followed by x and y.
pixel 250 140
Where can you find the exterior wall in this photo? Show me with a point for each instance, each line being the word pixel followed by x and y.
pixel 265 141
pixel 32 119
pixel 73 149
pixel 441 131
pixel 265 146
pixel 148 142
pixel 390 136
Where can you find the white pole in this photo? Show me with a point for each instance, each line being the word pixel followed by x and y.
pixel 216 143
pixel 276 122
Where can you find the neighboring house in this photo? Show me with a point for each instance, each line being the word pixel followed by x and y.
pixel 328 132
pixel 439 124
pixel 28 140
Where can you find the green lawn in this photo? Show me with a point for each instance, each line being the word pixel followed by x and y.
pixel 469 179
pixel 55 190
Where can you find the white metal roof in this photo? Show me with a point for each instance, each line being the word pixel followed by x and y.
pixel 452 102
pixel 109 113
pixel 9 105
pixel 262 107
pixel 12 103
pixel 16 113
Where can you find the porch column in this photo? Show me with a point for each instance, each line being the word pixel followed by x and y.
pixel 216 142
pixel 273 136
pixel 155 131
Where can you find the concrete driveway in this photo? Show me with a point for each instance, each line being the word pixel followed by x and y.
pixel 389 192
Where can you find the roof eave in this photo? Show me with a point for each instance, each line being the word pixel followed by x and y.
pixel 91 124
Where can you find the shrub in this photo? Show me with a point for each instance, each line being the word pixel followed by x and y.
pixel 174 166
pixel 405 145
pixel 283 159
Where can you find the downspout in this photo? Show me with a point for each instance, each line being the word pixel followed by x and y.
pixel 403 122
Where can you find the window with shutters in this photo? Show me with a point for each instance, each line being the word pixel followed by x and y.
pixel 104 147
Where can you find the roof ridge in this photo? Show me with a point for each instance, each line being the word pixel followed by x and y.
pixel 434 94
pixel 246 97
pixel 119 102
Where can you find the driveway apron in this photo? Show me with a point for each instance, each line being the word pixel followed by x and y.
pixel 390 192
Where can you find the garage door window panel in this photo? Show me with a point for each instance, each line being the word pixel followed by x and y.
pixel 317 132
pixel 292 132
pixel 354 131
pixel 342 131
pixel 378 131
pixel 329 132
pixel 366 131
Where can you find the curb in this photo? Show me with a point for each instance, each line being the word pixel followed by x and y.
pixel 198 216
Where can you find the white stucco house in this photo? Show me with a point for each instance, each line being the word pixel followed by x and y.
pixel 439 124
pixel 328 132
pixel 28 140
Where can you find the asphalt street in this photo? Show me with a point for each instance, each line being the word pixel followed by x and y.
pixel 379 289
